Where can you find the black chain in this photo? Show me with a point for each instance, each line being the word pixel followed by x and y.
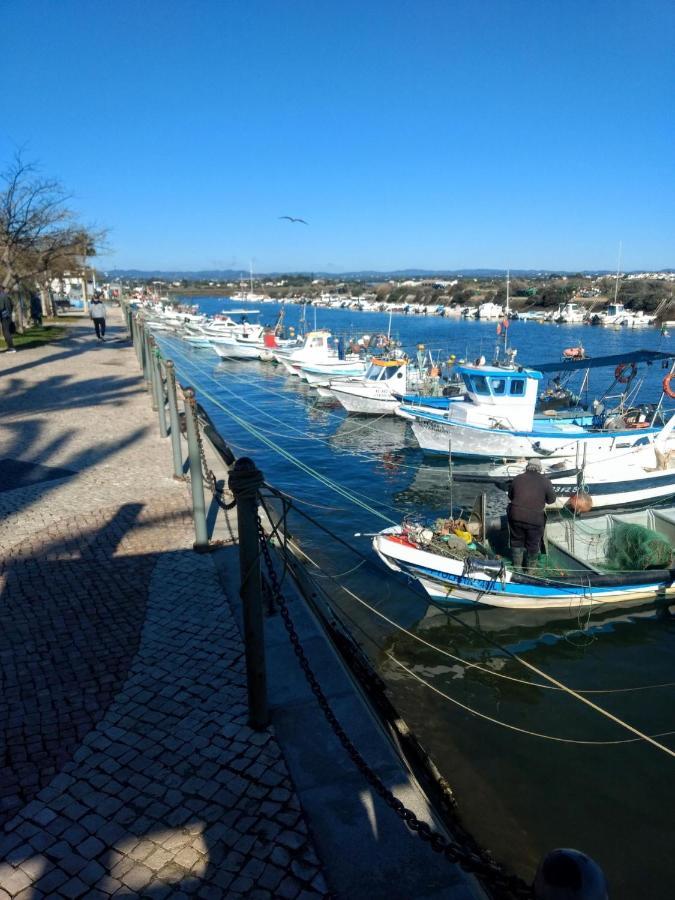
pixel 207 472
pixel 478 862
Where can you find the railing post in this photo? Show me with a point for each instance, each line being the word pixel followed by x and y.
pixel 136 338
pixel 174 422
pixel 244 481
pixel 154 379
pixel 160 399
pixel 196 479
pixel 144 352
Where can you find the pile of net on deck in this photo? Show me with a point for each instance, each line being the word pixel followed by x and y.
pixel 635 548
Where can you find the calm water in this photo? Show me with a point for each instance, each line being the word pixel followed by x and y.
pixel 532 768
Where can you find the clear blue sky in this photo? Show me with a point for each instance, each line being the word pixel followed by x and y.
pixel 436 133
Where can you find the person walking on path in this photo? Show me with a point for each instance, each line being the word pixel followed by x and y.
pixel 6 321
pixel 97 313
pixel 528 495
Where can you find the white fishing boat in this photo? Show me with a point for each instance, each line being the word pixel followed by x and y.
pixel 590 563
pixel 376 393
pixel 635 477
pixel 249 347
pixel 321 374
pixel 316 348
pixel 490 311
pixel 496 419
pixel 570 314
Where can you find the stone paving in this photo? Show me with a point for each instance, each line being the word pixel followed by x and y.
pixel 126 764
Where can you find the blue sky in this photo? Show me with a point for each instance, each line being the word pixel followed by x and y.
pixel 432 133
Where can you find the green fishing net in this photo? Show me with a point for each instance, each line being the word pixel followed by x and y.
pixel 635 548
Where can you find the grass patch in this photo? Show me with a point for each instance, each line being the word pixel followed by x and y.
pixel 36 336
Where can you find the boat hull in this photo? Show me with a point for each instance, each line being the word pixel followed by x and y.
pixel 471 442
pixel 446 579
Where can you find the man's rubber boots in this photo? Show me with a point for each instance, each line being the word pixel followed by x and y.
pixel 517 554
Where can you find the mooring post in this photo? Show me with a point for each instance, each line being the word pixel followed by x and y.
pixel 154 379
pixel 244 482
pixel 196 479
pixel 569 873
pixel 134 338
pixel 174 422
pixel 143 341
pixel 160 399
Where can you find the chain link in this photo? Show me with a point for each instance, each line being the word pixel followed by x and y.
pixel 478 863
pixel 207 472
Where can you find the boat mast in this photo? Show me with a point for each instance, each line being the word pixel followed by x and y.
pixel 618 269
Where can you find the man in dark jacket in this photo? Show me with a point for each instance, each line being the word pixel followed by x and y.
pixel 6 320
pixel 529 493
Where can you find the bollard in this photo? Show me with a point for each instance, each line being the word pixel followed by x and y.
pixel 154 377
pixel 147 370
pixel 144 352
pixel 244 481
pixel 201 543
pixel 173 420
pixel 160 399
pixel 134 338
pixel 571 874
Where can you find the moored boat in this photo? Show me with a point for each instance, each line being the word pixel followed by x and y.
pixel 600 561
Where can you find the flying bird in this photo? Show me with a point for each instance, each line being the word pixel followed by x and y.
pixel 291 219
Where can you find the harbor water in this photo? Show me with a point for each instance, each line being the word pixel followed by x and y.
pixel 532 766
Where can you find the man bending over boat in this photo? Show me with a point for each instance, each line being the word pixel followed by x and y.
pixel 528 495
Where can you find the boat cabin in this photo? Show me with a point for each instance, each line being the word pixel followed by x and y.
pixel 509 395
pixel 385 369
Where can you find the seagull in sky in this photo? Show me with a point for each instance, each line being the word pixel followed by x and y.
pixel 291 219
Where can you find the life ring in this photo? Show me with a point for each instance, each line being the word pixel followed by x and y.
pixel 667 390
pixel 620 372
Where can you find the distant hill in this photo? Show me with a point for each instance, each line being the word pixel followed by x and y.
pixel 362 275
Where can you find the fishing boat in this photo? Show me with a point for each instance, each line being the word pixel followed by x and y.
pixel 497 420
pixel 569 314
pixel 321 374
pixel 377 392
pixel 315 348
pixel 635 477
pixel 590 563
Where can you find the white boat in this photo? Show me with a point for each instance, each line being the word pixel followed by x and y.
pixel 376 393
pixel 316 348
pixel 641 475
pixel 490 311
pixel 570 314
pixel 585 566
pixel 238 347
pixel 496 420
pixel 321 374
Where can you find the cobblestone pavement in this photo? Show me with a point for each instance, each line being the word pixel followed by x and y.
pixel 126 765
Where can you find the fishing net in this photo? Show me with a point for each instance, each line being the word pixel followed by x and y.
pixel 635 548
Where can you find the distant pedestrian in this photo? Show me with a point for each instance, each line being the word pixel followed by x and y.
pixel 97 313
pixel 528 495
pixel 35 308
pixel 6 321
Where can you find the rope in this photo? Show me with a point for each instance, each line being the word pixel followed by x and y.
pixel 290 458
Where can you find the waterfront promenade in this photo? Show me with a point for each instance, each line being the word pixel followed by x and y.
pixel 127 766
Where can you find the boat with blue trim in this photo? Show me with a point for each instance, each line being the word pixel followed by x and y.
pixel 496 419
pixel 583 567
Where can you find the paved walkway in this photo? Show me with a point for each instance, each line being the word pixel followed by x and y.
pixel 126 765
